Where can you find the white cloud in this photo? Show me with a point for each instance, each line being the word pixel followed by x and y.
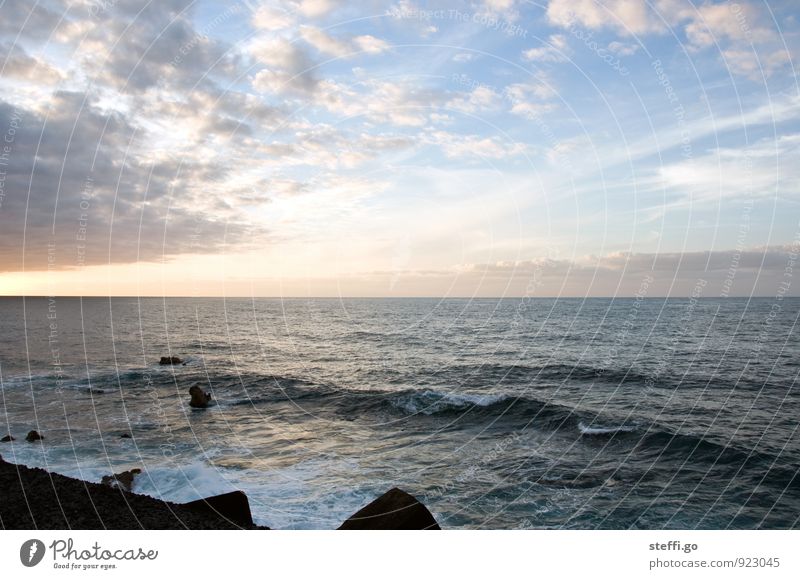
pixel 480 99
pixel 554 50
pixel 370 44
pixel 271 18
pixel 768 168
pixel 714 23
pixel 399 102
pixel 741 30
pixel 753 64
pixel 324 42
pixel 464 146
pixel 341 48
pixel 506 9
pixel 316 8
pixel 628 17
pixel 623 48
pixel 530 98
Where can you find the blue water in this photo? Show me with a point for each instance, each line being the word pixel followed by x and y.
pixel 513 413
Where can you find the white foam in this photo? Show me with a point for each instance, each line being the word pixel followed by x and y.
pixel 604 429
pixel 430 402
pixel 285 498
pixel 181 483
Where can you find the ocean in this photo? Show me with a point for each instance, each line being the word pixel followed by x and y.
pixel 495 413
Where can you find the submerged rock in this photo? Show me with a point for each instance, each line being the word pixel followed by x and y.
pixel 394 511
pixel 7 438
pixel 167 360
pixel 200 398
pixel 232 506
pixel 123 480
pixel 33 436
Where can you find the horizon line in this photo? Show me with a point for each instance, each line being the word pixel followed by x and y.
pixel 367 297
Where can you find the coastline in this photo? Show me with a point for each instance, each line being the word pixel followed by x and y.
pixel 34 498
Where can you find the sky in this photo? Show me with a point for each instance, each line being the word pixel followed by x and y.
pixel 391 149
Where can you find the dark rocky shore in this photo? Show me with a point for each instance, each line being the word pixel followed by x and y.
pixel 32 498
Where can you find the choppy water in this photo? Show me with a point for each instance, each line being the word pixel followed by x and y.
pixel 511 413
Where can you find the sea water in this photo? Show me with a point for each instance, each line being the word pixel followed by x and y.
pixel 495 413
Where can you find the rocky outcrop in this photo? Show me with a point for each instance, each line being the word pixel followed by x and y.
pixel 7 438
pixel 167 360
pixel 31 498
pixel 123 480
pixel 33 436
pixel 200 398
pixel 232 506
pixel 394 511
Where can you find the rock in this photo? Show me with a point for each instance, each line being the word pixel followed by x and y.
pixel 124 435
pixel 33 436
pixel 167 360
pixel 395 511
pixel 7 438
pixel 123 480
pixel 232 506
pixel 200 398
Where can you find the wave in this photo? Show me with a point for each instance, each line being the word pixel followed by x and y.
pixel 527 374
pixel 604 430
pixel 429 402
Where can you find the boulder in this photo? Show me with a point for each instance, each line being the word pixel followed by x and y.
pixel 200 398
pixel 33 436
pixel 7 438
pixel 167 360
pixel 394 511
pixel 123 480
pixel 233 506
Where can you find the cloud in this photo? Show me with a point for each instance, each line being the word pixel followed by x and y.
pixel 715 273
pixel 628 17
pixel 290 69
pixel 623 48
pixel 271 18
pixel 75 182
pixel 18 64
pixel 741 30
pixel 723 273
pixel 399 101
pixel 341 48
pixel 316 8
pixel 465 146
pixel 30 20
pixel 756 65
pixel 481 98
pixel 505 9
pixel 768 168
pixel 139 45
pixel 712 24
pixel 326 146
pixel 531 98
pixel 556 49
